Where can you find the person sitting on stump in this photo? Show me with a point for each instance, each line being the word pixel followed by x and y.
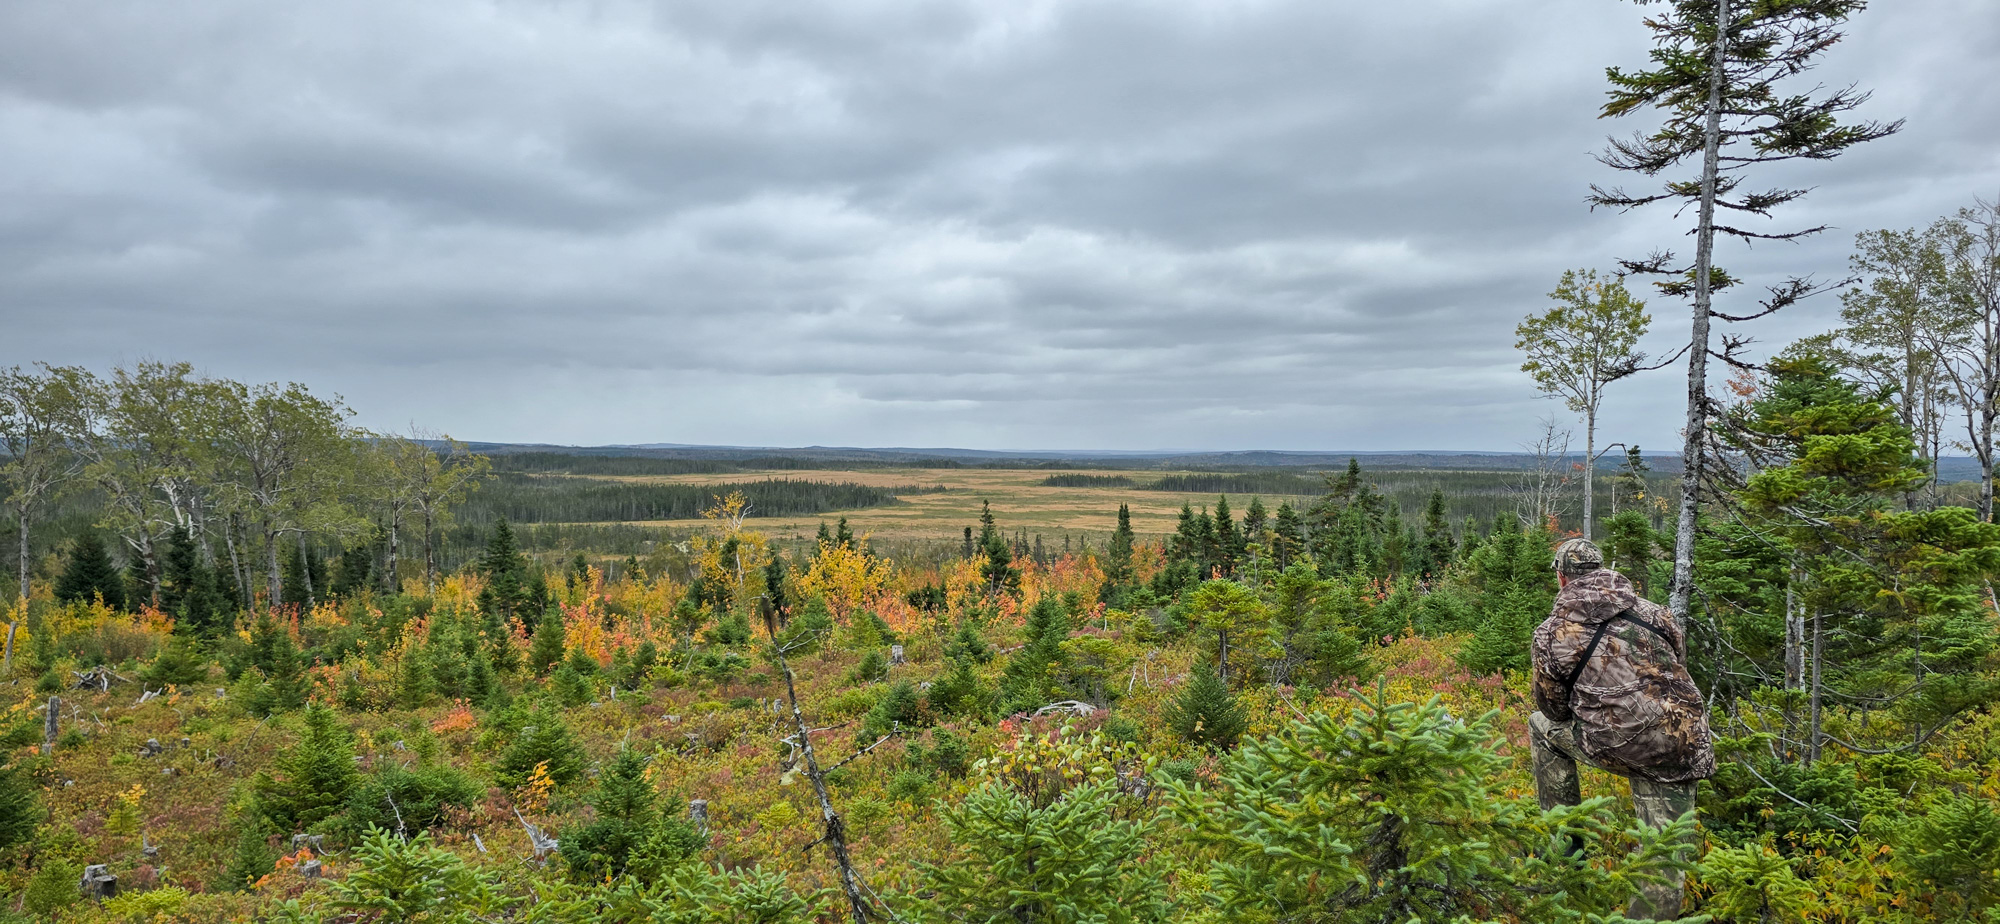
pixel 1613 692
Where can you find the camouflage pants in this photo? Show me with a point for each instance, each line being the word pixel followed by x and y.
pixel 1557 751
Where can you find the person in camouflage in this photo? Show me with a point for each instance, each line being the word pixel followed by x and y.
pixel 1613 692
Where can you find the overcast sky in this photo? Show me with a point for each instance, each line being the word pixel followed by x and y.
pixel 1225 224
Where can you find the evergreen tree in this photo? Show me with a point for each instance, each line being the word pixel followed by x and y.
pixel 629 827
pixel 293 586
pixel 569 686
pixel 546 741
pixel 1511 572
pixel 1310 629
pixel 1905 589
pixel 1468 537
pixel 354 571
pixel 1078 857
pixel 547 648
pixel 961 692
pixel 20 807
pixel 777 602
pixel 182 570
pixel 89 574
pixel 314 777
pixel 1238 620
pixel 206 607
pixel 1228 542
pixel 1205 713
pixel 969 645
pixel 1207 548
pixel 1438 547
pixel 898 708
pixel 1288 539
pixel 1629 545
pixel 1118 572
pixel 1411 822
pixel 1721 84
pixel 999 572
pixel 286 683
pixel 1034 674
pixel 1396 546
pixel 506 569
pixel 1255 521
pixel 1185 545
pixel 413 681
pixel 252 859
pixel 180 664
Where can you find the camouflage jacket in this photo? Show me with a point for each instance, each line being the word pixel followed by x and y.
pixel 1636 709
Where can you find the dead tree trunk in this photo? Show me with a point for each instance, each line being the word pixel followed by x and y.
pixel 1697 391
pixel 835 830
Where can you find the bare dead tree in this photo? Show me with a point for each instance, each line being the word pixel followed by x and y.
pixel 833 829
pixel 1542 491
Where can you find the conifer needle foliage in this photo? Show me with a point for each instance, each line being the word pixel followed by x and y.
pixel 1397 814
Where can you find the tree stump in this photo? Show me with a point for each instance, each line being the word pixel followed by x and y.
pixel 895 654
pixel 51 723
pixel 98 884
pixel 698 815
pixel 313 843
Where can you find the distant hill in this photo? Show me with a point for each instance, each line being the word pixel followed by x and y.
pixel 1952 468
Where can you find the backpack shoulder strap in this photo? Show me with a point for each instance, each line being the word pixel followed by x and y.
pixel 1569 684
pixel 1632 618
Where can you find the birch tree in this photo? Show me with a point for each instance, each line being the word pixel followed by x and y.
pixel 155 459
pixel 45 414
pixel 1896 327
pixel 1968 247
pixel 285 447
pixel 1721 76
pixel 432 473
pixel 1587 341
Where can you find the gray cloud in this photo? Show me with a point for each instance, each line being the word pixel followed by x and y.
pixel 1057 223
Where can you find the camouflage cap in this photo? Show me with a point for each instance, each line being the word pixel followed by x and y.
pixel 1578 556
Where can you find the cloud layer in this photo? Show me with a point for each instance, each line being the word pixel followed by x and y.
pixel 1025 224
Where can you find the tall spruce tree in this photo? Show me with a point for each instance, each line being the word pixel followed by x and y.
pixel 1256 520
pixel 1894 601
pixel 89 574
pixel 1721 76
pixel 999 572
pixel 1118 572
pixel 1288 539
pixel 546 651
pixel 1228 541
pixel 505 595
pixel 1438 546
